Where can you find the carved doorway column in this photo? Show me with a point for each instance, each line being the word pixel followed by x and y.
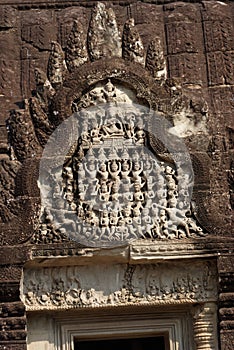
pixel 205 327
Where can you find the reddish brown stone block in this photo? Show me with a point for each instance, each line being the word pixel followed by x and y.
pixel 220 68
pixel 188 67
pixel 219 35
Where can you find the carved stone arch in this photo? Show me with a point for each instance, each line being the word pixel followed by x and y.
pixel 131 74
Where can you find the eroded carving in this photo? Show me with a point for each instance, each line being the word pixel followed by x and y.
pixel 56 65
pixel 8 172
pixel 103 36
pixel 69 287
pixel 133 49
pixel 155 60
pixel 76 52
pixel 22 134
pixel 189 114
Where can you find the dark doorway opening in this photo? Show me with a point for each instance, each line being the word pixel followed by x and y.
pixel 152 343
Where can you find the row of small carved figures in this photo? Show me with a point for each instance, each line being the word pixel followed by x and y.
pixel 118 169
pixel 79 296
pixel 137 223
pixel 114 225
pixel 107 179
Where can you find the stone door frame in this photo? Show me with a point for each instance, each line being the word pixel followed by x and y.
pixel 174 323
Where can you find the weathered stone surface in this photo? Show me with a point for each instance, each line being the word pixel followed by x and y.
pixel 103 35
pixel 76 52
pixel 66 287
pixel 196 53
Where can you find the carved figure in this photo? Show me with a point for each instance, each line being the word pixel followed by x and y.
pixel 137 169
pixel 126 170
pixel 113 129
pixel 114 170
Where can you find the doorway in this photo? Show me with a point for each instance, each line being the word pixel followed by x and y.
pixel 150 343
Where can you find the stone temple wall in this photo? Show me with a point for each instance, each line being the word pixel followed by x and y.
pixel 60 57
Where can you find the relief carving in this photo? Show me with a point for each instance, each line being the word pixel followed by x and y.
pixel 133 49
pixel 186 66
pixel 7 17
pixel 220 68
pixel 76 52
pixel 115 190
pixel 99 166
pixel 8 205
pixel 155 60
pixel 84 286
pixel 56 65
pixel 205 333
pixel 22 136
pixel 103 36
pixel 182 37
pixel 43 127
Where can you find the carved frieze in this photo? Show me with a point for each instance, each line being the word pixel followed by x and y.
pixel 116 285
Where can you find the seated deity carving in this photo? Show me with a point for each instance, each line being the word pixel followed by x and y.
pixel 114 128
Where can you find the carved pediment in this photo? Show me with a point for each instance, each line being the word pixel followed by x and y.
pixel 120 158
